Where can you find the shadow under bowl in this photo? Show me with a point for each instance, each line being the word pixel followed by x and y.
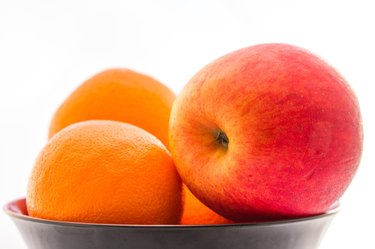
pixel 301 233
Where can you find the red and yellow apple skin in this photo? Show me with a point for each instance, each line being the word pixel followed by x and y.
pixel 267 132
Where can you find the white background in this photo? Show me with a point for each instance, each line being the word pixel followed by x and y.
pixel 47 48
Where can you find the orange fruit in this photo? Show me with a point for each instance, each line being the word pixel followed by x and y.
pixel 105 172
pixel 195 212
pixel 120 95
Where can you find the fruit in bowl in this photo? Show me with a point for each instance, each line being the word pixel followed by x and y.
pixel 267 132
pixel 118 94
pixel 84 175
pixel 102 171
pixel 196 213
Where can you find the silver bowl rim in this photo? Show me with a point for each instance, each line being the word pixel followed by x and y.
pixel 7 208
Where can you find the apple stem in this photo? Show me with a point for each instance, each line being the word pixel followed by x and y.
pixel 222 139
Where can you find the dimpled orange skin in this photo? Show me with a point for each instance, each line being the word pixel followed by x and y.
pixel 121 95
pixel 196 213
pixel 105 172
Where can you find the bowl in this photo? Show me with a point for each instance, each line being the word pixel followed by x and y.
pixel 301 233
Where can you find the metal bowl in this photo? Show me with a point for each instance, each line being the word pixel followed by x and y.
pixel 302 233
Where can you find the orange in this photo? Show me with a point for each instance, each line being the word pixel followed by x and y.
pixel 105 172
pixel 195 212
pixel 120 95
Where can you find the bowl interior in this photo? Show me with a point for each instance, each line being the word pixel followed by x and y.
pixel 17 207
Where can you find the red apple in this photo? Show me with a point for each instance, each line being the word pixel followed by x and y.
pixel 267 132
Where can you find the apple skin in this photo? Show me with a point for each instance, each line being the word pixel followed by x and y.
pixel 293 127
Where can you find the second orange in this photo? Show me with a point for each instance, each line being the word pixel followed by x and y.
pixel 120 95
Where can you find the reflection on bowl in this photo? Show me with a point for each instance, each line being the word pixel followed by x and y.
pixel 303 233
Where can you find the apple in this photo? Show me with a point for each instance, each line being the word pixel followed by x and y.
pixel 267 132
